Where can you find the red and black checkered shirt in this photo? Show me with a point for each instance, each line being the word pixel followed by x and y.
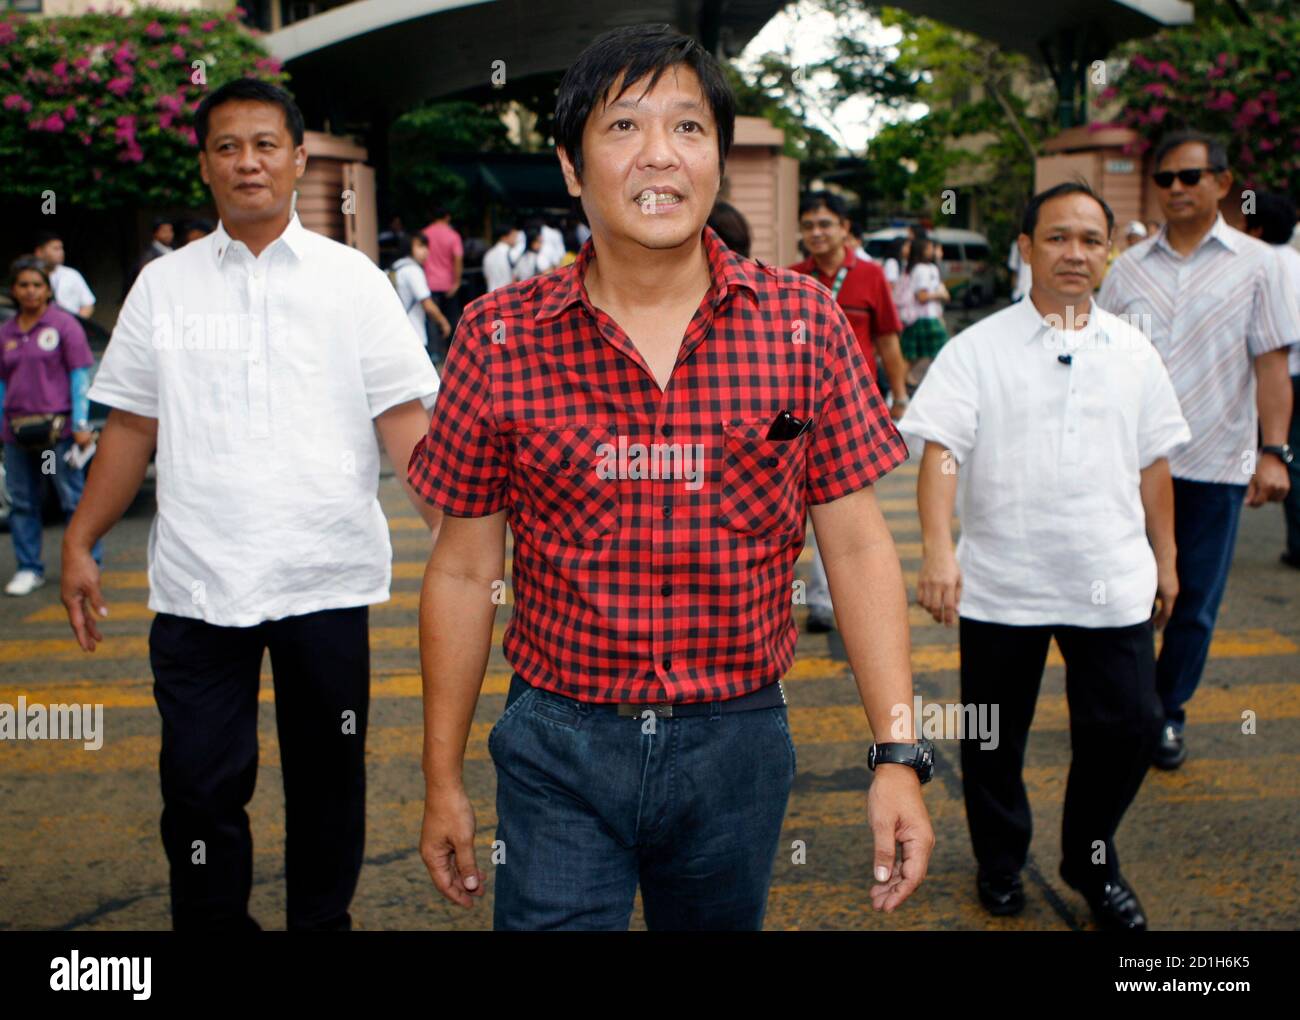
pixel 642 572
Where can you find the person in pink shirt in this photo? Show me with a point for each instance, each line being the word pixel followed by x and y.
pixel 442 269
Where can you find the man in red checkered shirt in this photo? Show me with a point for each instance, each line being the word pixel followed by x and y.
pixel 653 422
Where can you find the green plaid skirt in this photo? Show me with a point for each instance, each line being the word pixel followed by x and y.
pixel 923 339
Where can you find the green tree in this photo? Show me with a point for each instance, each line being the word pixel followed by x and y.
pixel 99 108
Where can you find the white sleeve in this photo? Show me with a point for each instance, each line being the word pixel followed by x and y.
pixel 85 296
pixel 128 376
pixel 945 408
pixel 1161 425
pixel 394 366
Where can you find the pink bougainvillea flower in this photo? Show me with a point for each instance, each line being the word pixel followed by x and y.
pixel 1141 62
pixel 1156 89
pixel 1167 70
pixel 7 33
pixel 154 30
pixel 1222 60
pixel 1266 146
pixel 182 29
pixel 60 70
pixel 120 86
pixel 165 119
pixel 178 51
pixel 14 101
pixel 1283 76
pixel 70 113
pixel 208 25
pixel 1158 113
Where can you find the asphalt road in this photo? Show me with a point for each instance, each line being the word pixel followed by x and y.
pixel 1210 846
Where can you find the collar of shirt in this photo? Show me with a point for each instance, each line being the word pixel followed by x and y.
pixel 727 270
pixel 1220 232
pixel 292 239
pixel 809 267
pixel 49 317
pixel 1034 324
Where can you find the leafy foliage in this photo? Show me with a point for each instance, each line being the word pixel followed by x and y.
pixel 99 108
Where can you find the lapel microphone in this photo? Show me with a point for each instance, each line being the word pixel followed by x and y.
pixel 1065 359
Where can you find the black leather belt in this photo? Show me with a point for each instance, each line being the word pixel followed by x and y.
pixel 770 696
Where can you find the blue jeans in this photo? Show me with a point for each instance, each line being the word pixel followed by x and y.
pixel 1206 515
pixel 589 804
pixel 23 471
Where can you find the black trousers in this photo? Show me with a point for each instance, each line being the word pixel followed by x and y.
pixel 1115 721
pixel 206 681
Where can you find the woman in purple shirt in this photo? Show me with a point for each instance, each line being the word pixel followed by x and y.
pixel 44 376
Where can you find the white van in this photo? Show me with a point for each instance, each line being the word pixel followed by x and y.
pixel 966 265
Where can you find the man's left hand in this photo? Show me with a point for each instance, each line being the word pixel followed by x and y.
pixel 1270 483
pixel 897 816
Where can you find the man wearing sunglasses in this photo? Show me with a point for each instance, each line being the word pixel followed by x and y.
pixel 1220 310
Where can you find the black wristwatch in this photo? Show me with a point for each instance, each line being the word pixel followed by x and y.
pixel 920 756
pixel 1282 453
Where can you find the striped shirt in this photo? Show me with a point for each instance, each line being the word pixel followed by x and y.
pixel 1209 314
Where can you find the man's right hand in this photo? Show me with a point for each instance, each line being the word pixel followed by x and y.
pixel 79 589
pixel 938 586
pixel 447 844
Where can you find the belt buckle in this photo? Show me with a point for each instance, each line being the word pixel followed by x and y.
pixel 662 709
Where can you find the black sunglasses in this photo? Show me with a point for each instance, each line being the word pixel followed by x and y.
pixel 1191 178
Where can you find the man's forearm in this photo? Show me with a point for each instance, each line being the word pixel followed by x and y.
pixel 936 496
pixel 457 612
pixel 119 467
pixel 1157 491
pixel 870 602
pixel 400 428
pixel 1273 396
pixel 891 354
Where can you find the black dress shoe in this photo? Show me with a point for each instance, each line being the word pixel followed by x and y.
pixel 820 621
pixel 1113 903
pixel 1002 895
pixel 1172 750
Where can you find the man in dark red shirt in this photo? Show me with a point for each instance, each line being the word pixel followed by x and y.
pixel 653 423
pixel 860 287
pixel 858 284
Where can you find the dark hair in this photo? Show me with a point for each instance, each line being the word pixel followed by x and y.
pixel 1215 152
pixel 896 248
pixel 30 264
pixel 824 199
pixel 44 237
pixel 440 212
pixel 730 225
pixel 1029 221
pixel 407 242
pixel 634 52
pixel 918 242
pixel 250 89
pixel 505 226
pixel 200 224
pixel 1275 214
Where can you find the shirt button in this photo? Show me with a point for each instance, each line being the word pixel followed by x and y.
pixel 565 463
pixel 667 589
pixel 668 510
pixel 667 430
pixel 668 664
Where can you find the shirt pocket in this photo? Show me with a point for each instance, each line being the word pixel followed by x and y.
pixel 762 481
pixel 562 491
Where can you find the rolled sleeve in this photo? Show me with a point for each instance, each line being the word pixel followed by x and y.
pixel 1275 318
pixel 853 442
pixel 945 409
pixel 128 376
pixel 459 465
pixel 394 367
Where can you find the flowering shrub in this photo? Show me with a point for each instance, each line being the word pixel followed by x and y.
pixel 1240 83
pixel 100 108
